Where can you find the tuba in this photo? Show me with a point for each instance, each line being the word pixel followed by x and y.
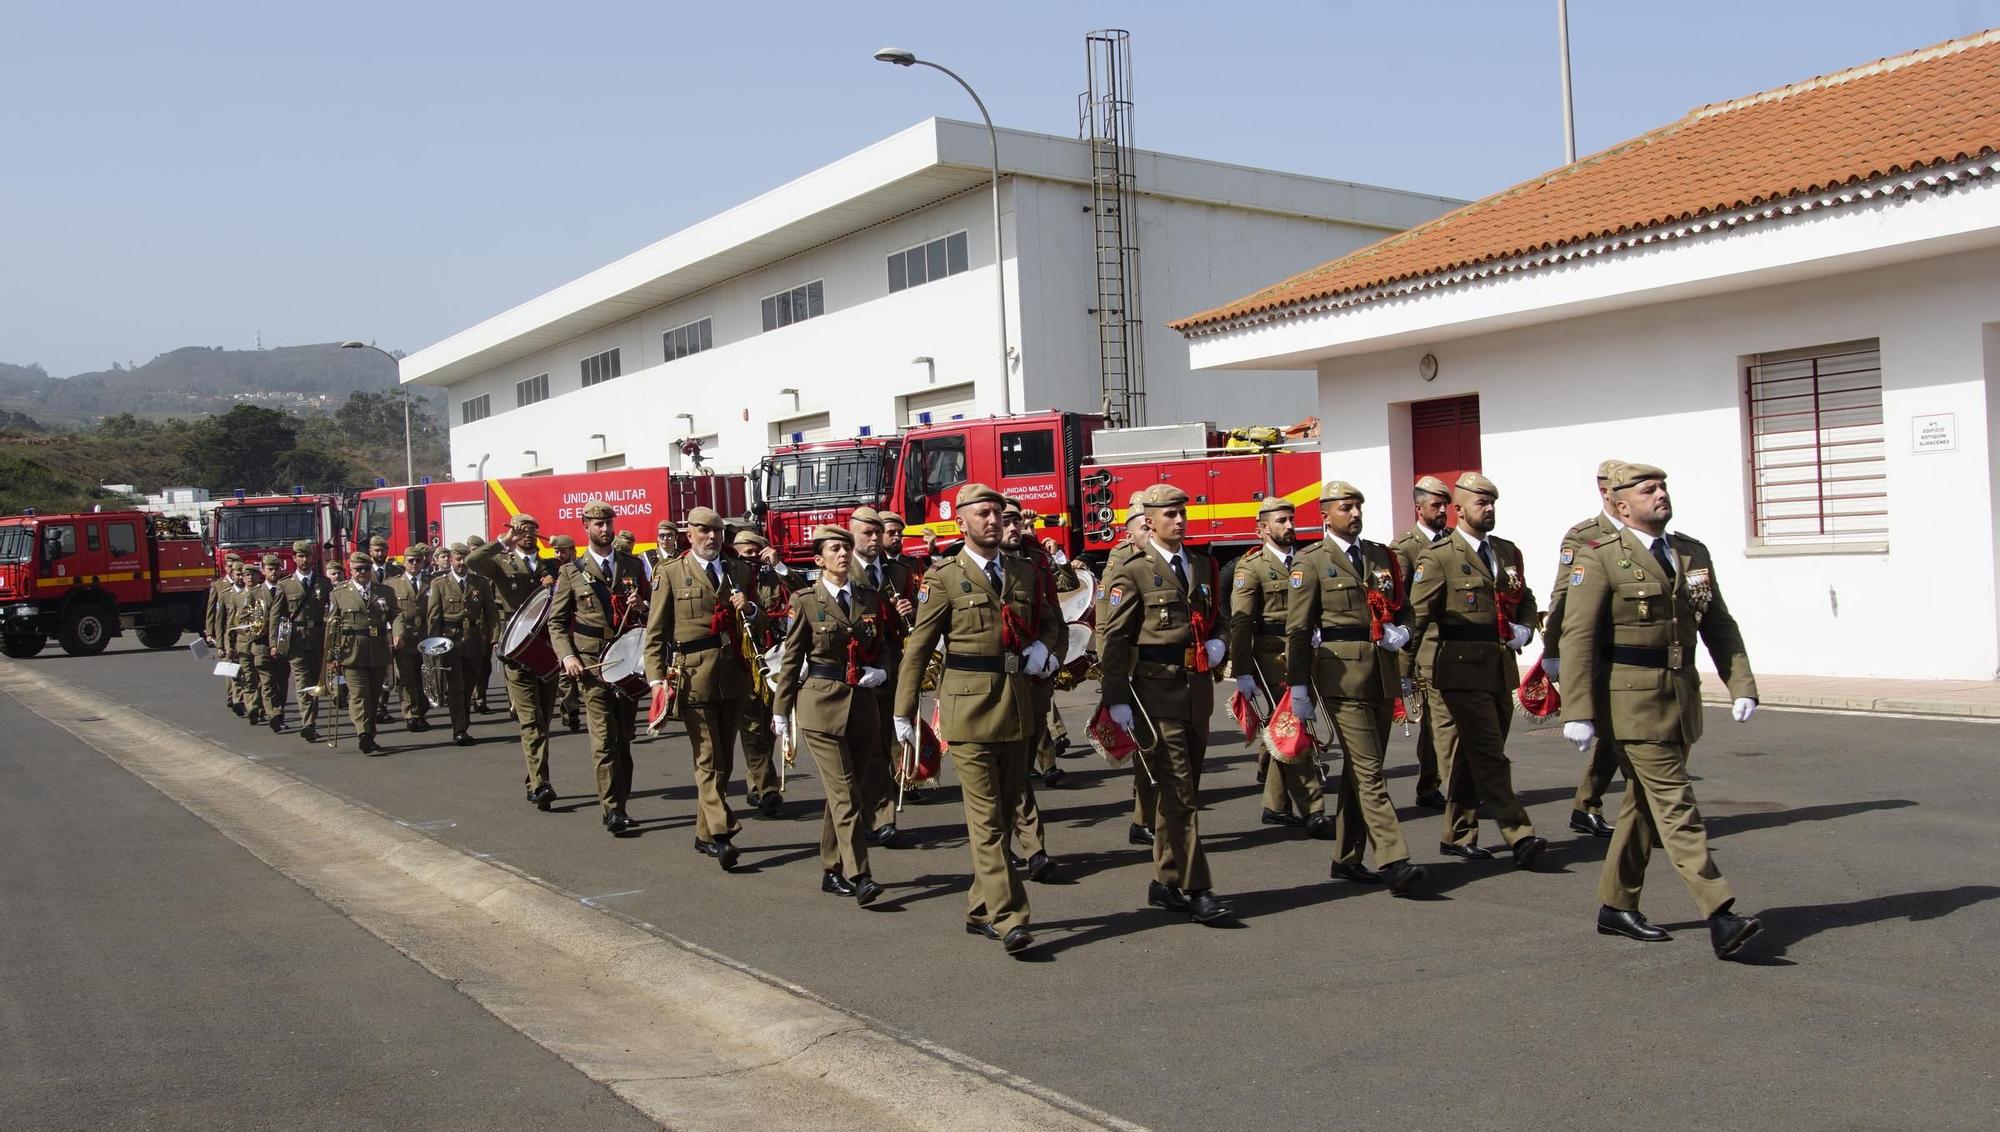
pixel 434 650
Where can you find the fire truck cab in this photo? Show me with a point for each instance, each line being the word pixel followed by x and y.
pixel 269 524
pixel 85 578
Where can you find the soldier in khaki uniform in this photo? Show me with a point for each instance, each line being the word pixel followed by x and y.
pixel 1346 622
pixel 512 563
pixel 453 610
pixel 838 653
pixel 411 588
pixel 299 623
pixel 479 672
pixel 1162 640
pixel 1638 599
pixel 598 597
pixel 1017 542
pixel 215 629
pixel 1471 611
pixel 892 583
pixel 569 689
pixel 772 599
pixel 378 557
pixel 1138 533
pixel 702 606
pixel 256 603
pixel 361 626
pixel 1260 593
pixel 1587 814
pixel 980 605
pixel 1433 501
pixel 666 547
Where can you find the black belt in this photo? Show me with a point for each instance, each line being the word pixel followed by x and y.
pixel 1163 654
pixel 1643 656
pixel 1344 633
pixel 1271 628
pixel 1485 634
pixel 991 664
pixel 828 671
pixel 699 644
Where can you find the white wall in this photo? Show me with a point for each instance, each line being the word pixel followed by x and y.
pixel 1663 384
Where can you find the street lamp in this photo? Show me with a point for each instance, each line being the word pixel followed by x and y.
pixel 902 58
pixel 409 465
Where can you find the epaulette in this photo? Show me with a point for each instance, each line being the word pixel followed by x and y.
pixel 1595 543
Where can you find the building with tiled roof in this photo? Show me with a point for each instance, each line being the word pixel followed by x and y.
pixel 1789 300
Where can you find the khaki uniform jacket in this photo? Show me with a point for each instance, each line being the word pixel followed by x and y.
pixel 684 607
pixel 1596 528
pixel 212 624
pixel 303 607
pixel 957 605
pixel 359 627
pixel 486 607
pixel 1122 553
pixel 455 610
pixel 582 623
pixel 1454 615
pixel 514 580
pixel 1331 598
pixel 1407 548
pixel 1150 638
pixel 818 637
pixel 411 623
pixel 1618 604
pixel 1259 593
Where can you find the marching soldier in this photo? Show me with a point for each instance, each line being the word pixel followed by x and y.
pixel 1018 543
pixel 454 610
pixel 1433 501
pixel 980 604
pixel 480 671
pixel 1137 533
pixel 836 662
pixel 1471 611
pixel 1162 641
pixel 701 608
pixel 513 564
pixel 361 627
pixel 1349 591
pixel 772 598
pixel 215 624
pixel 1048 558
pixel 1260 594
pixel 597 597
pixel 253 612
pixel 1587 813
pixel 235 635
pixel 1638 599
pixel 301 610
pixel 892 582
pixel 411 587
pixel 569 689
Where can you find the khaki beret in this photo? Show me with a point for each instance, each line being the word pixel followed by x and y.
pixel 1629 475
pixel 748 537
pixel 1608 469
pixel 1340 489
pixel 1473 483
pixel 232 556
pixel 474 542
pixel 1137 501
pixel 865 514
pixel 979 493
pixel 1275 505
pixel 827 532
pixel 360 558
pixel 418 550
pixel 273 562
pixel 1009 503
pixel 628 538
pixel 892 517
pixel 460 550
pixel 704 517
pixel 562 542
pixel 378 540
pixel 598 509
pixel 302 546
pixel 523 520
pixel 1162 495
pixel 1431 485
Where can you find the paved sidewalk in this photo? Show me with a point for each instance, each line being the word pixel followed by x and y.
pixel 1975 698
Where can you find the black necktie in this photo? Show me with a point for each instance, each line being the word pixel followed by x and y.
pixel 715 575
pixel 1354 556
pixel 1180 573
pixel 993 574
pixel 1288 561
pixel 1439 537
pixel 844 610
pixel 1486 556
pixel 1660 552
pixel 875 575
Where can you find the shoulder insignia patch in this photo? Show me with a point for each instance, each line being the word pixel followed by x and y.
pixel 1242 579
pixel 1568 556
pixel 1417 575
pixel 1576 576
pixel 924 592
pixel 1116 596
pixel 1298 578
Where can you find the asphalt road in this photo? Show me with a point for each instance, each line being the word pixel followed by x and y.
pixel 153 974
pixel 1868 845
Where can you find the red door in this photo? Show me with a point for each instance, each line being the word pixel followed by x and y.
pixel 1444 439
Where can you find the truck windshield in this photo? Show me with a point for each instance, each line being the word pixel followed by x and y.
pixel 374 521
pixel 266 526
pixel 17 544
pixel 845 475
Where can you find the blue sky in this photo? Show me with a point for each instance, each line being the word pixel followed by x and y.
pixel 196 173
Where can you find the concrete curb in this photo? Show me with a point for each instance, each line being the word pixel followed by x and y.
pixel 1893 705
pixel 749 1030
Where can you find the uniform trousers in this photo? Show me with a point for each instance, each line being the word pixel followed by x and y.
pixel 1428 778
pixel 1472 755
pixel 364 697
pixel 1171 795
pixel 533 700
pixel 1023 814
pixel 273 684
pixel 838 759
pixel 988 774
pixel 1288 787
pixel 878 766
pixel 760 775
pixel 458 689
pixel 712 729
pixel 1365 812
pixel 410 681
pixel 1597 777
pixel 611 715
pixel 1659 804
pixel 306 669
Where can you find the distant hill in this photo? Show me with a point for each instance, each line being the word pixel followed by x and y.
pixel 201 380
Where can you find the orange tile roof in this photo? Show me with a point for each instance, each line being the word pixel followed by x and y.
pixel 1935 106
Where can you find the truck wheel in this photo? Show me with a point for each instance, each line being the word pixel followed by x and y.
pixel 160 636
pixel 85 630
pixel 21 648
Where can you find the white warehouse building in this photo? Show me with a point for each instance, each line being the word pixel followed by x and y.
pixel 861 296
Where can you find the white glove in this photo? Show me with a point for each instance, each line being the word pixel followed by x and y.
pixel 1060 557
pixel 1582 732
pixel 1302 702
pixel 1553 666
pixel 1036 660
pixel 1743 709
pixel 780 727
pixel 1394 637
pixel 873 678
pixel 1519 636
pixel 1216 650
pixel 906 729
pixel 1247 685
pixel 1121 714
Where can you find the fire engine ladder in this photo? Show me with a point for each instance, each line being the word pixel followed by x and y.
pixel 1104 119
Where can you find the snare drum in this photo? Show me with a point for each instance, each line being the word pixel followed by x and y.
pixel 525 642
pixel 624 665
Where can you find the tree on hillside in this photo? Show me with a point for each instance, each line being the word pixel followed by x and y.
pixel 240 448
pixel 317 469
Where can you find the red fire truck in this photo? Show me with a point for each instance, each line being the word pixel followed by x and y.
pixel 447 512
pixel 269 524
pixel 84 579
pixel 1067 466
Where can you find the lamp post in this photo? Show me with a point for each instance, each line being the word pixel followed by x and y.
pixel 902 58
pixel 409 465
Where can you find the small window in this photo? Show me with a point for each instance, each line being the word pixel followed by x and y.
pixel 684 340
pixel 1027 453
pixel 58 542
pixel 927 262
pixel 600 367
pixel 475 408
pixel 1818 468
pixel 944 463
pixel 532 390
pixel 124 540
pixel 91 538
pixel 954 249
pixel 796 305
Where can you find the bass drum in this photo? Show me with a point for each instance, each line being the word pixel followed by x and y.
pixel 525 641
pixel 624 665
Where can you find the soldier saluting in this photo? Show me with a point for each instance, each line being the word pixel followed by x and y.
pixel 512 563
pixel 1638 599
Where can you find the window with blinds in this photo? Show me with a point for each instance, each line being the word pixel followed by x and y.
pixel 1818 472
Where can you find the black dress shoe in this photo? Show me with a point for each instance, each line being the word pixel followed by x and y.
pixel 256 717
pixel 981 929
pixel 543 797
pixel 1206 907
pixel 1631 925
pixel 706 848
pixel 833 884
pixel 277 724
pixel 1431 799
pixel 1015 860
pixel 884 835
pixel 1356 872
pixel 462 738
pixel 574 721
pixel 1729 932
pixel 237 708
pixel 1273 817
pixel 866 890
pixel 1034 774
pixel 1039 865
pixel 1527 849
pixel 513 716
pixel 726 855
pixel 481 707
pixel 1053 777
pixel 618 821
pixel 1139 835
pixel 416 725
pixel 1402 877
pixel 1165 896
pixel 1593 824
pixel 1469 852
pixel 310 734
pixel 768 803
pixel 368 746
pixel 1319 827
pixel 1017 940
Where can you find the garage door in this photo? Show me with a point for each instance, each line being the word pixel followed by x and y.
pixel 948 403
pixel 815 426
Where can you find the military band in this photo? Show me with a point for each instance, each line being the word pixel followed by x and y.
pixel 512 564
pixel 598 597
pixel 1260 596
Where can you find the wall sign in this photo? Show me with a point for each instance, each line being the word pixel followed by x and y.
pixel 1937 432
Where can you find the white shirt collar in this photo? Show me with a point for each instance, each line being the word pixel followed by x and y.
pixel 1613 520
pixel 1342 543
pixel 1430 534
pixel 978 558
pixel 1278 553
pixel 1474 543
pixel 1646 541
pixel 834 591
pixel 1170 555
